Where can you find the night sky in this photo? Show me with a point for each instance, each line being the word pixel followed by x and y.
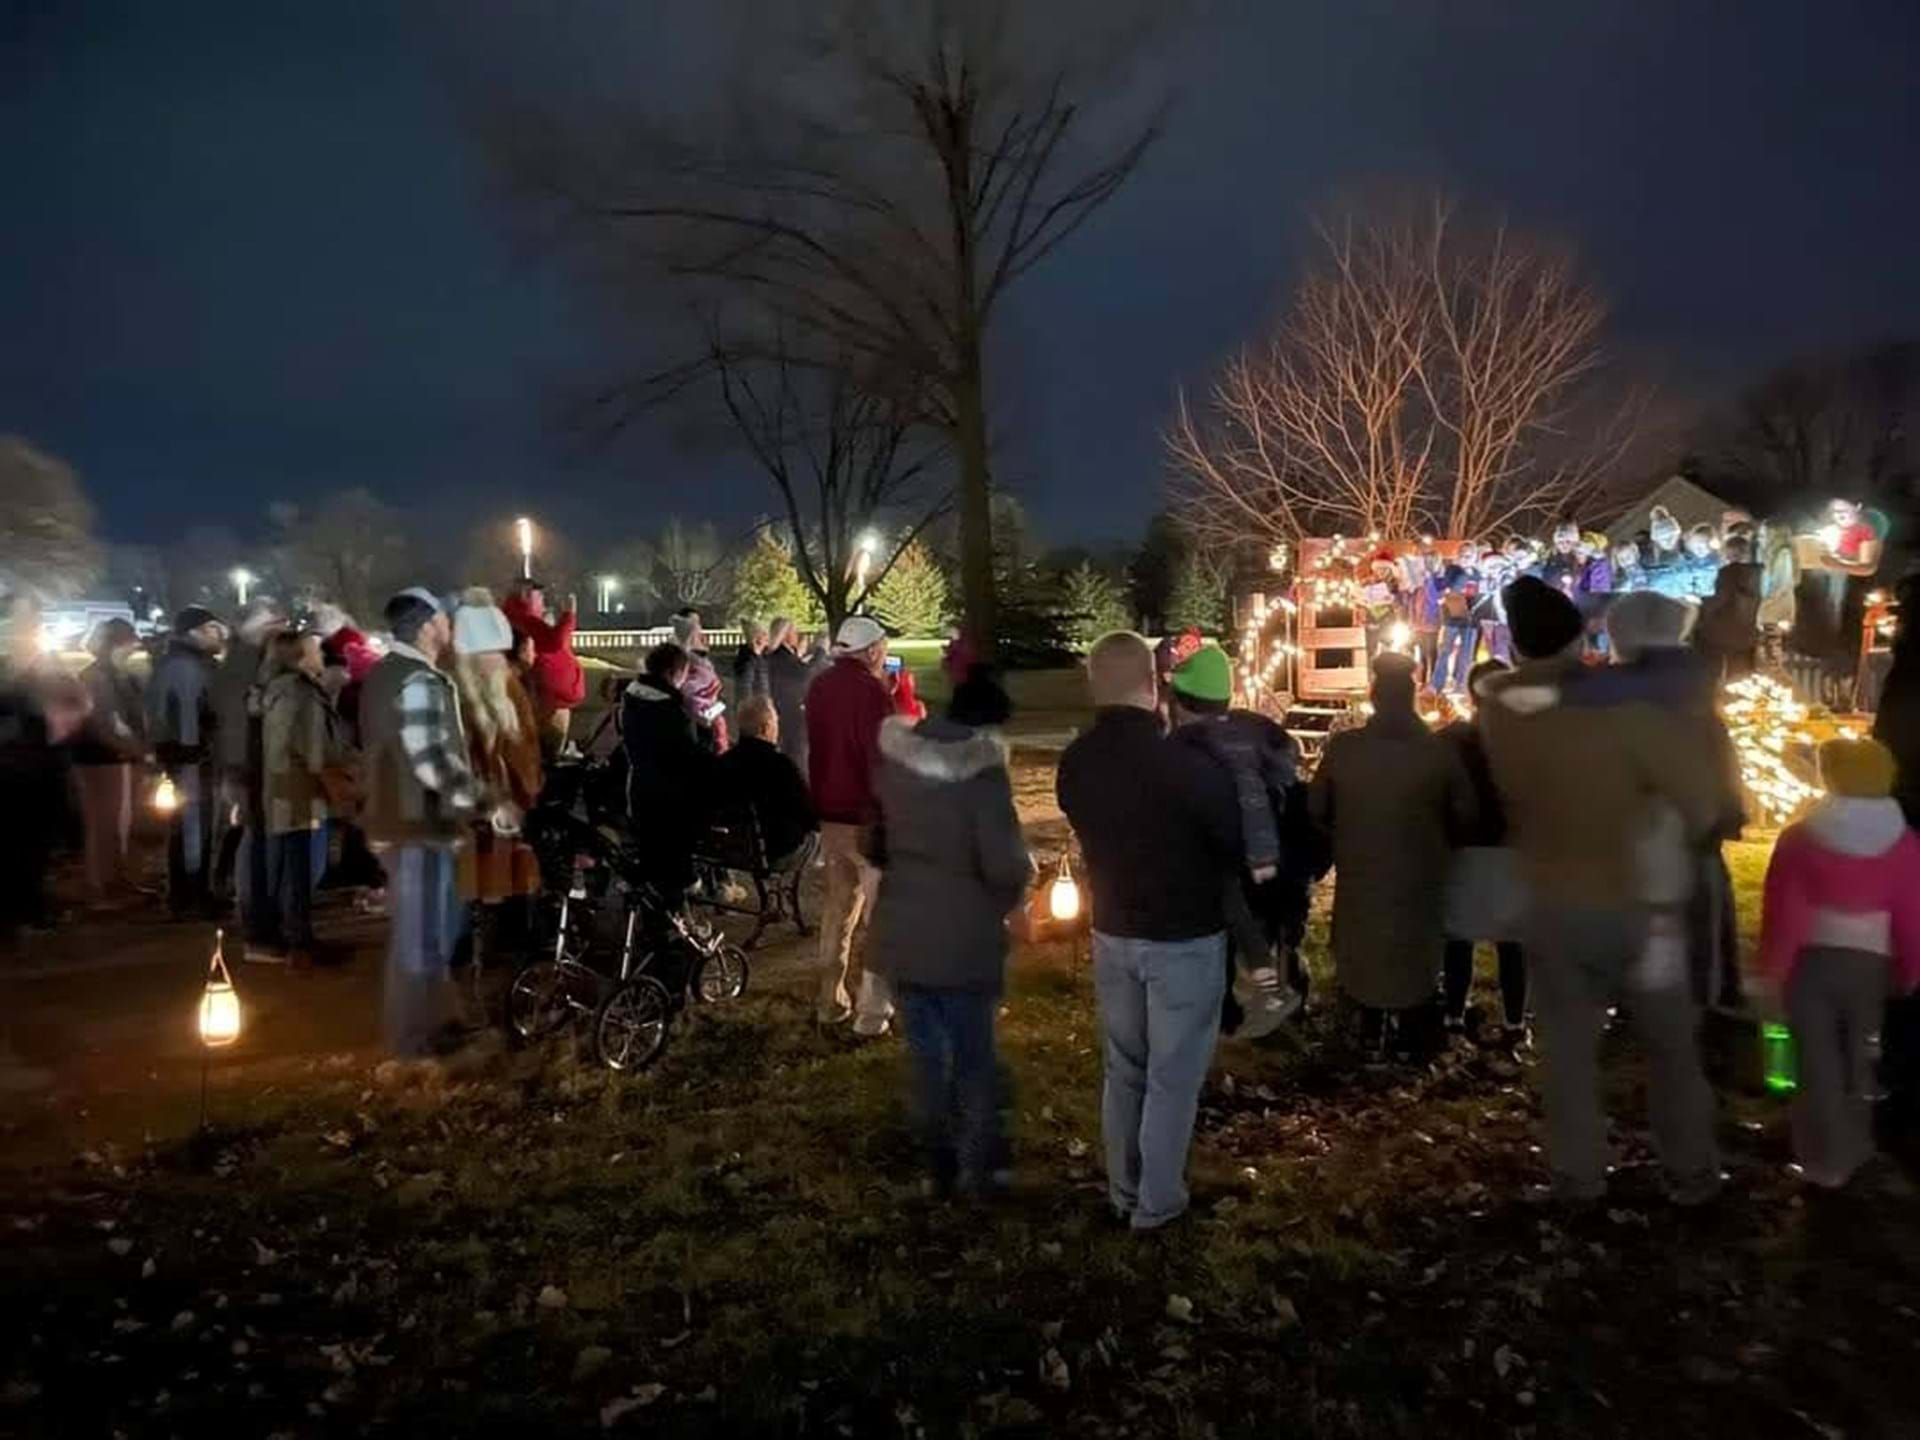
pixel 248 251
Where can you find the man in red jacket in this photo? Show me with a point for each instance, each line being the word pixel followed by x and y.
pixel 559 683
pixel 845 708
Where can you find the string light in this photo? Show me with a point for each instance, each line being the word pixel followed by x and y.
pixel 1766 722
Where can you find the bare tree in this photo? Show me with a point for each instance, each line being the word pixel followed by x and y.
pixel 47 549
pixel 892 173
pixel 1824 427
pixel 1325 427
pixel 351 548
pixel 852 477
pixel 1428 376
pixel 691 565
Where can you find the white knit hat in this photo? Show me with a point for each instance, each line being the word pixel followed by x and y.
pixel 478 625
pixel 857 632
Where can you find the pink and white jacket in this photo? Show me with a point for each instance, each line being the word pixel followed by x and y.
pixel 1846 877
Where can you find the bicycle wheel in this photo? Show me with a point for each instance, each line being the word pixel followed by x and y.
pixel 537 1001
pixel 720 975
pixel 631 1029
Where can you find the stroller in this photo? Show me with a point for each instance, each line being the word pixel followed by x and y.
pixel 627 955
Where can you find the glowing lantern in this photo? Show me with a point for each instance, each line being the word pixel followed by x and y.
pixel 1063 897
pixel 166 799
pixel 219 1003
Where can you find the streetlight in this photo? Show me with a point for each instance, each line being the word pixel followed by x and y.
pixel 523 527
pixel 609 585
pixel 241 578
pixel 867 547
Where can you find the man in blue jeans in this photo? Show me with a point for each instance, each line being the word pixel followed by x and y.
pixel 1159 825
pixel 421 799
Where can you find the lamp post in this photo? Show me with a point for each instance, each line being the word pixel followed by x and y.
pixel 242 578
pixel 609 586
pixel 865 549
pixel 523 528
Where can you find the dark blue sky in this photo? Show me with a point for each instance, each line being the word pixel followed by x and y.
pixel 247 252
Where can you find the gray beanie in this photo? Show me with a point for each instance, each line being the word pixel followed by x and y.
pixel 1644 620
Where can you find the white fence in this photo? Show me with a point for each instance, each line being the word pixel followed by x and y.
pixel 595 642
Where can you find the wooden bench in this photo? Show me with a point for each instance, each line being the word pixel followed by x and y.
pixel 733 848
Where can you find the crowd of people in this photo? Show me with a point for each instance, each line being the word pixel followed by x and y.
pixel 1744 579
pixel 1570 817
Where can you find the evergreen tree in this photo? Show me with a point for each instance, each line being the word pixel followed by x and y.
pixel 766 585
pixel 912 599
pixel 1093 603
pixel 1199 597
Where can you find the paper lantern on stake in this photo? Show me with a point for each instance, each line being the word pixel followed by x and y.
pixel 1063 896
pixel 219 1003
pixel 166 797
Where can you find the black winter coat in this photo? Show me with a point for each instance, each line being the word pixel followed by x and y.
pixel 1159 824
pixel 755 776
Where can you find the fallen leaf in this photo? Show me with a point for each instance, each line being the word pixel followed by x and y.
pixel 262 1255
pixel 590 1360
pixel 552 1297
pixel 148 1268
pixel 183 1320
pixel 616 1409
pixel 1053 1371
pixel 1076 1149
pixel 120 1245
pixel 1180 1308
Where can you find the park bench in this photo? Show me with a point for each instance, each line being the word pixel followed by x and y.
pixel 734 850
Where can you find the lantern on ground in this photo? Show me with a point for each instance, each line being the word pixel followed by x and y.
pixel 219 1003
pixel 166 796
pixel 1063 896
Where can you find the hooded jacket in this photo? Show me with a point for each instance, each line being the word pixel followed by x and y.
pixel 1846 877
pixel 1583 785
pixel 558 681
pixel 953 862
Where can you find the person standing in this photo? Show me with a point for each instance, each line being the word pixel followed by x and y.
pixel 181 724
pixel 239 690
pixel 559 682
pixel 1897 726
pixel 668 770
pixel 952 863
pixel 750 664
pixel 1582 847
pixel 1389 795
pixel 1840 932
pixel 420 795
pixel 497 868
pixel 846 707
pixel 1727 633
pixel 1159 825
pixel 307 764
pixel 787 681
pixel 1486 901
pixel 41 712
pixel 105 754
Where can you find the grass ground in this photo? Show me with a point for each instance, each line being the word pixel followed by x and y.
pixel 734 1243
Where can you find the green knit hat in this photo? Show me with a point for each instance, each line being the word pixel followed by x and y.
pixel 1206 674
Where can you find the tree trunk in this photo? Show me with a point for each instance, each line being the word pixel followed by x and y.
pixel 976 509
